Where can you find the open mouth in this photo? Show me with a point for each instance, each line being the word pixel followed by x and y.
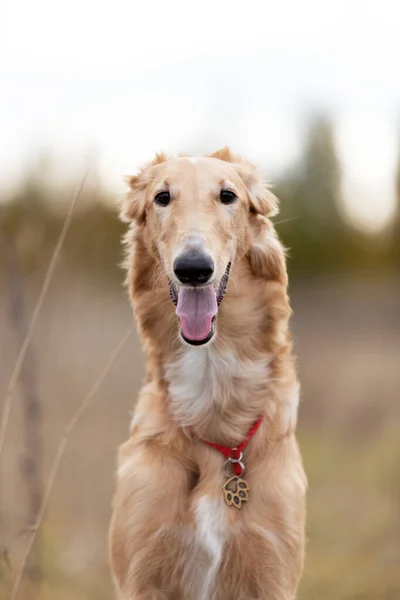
pixel 197 309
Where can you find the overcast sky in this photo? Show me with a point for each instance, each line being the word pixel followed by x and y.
pixel 124 79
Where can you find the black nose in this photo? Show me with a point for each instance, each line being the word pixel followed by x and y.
pixel 193 267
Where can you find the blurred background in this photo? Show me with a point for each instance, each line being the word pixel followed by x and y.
pixel 310 91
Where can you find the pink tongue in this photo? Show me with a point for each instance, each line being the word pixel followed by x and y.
pixel 196 309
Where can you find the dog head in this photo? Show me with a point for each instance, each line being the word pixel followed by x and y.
pixel 198 217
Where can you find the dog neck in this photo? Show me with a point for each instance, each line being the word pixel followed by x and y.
pixel 220 389
pixel 215 391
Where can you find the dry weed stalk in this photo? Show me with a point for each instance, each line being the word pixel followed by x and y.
pixel 57 461
pixel 35 314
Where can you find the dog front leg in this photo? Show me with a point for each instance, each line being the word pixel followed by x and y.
pixel 147 545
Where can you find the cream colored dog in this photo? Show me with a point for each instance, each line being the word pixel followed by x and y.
pixel 210 500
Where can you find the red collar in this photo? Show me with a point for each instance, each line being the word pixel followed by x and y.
pixel 234 455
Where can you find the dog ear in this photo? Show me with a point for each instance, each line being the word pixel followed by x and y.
pixel 134 205
pixel 266 255
pixel 224 154
pixel 262 201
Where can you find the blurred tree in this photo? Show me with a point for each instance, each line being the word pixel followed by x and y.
pixel 35 213
pixel 320 177
pixel 310 221
pixel 396 227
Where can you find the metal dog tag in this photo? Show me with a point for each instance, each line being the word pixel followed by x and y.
pixel 236 491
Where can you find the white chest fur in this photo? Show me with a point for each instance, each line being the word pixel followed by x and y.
pixel 205 377
pixel 211 532
pixel 200 380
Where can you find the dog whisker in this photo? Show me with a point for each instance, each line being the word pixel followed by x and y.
pixel 288 220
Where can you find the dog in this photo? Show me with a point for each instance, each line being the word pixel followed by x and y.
pixel 210 498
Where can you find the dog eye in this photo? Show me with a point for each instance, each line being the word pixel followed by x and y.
pixel 227 197
pixel 162 198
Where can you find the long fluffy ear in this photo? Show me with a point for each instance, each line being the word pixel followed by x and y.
pixel 262 200
pixel 266 254
pixel 134 204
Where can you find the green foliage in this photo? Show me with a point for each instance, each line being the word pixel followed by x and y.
pixel 318 185
pixel 33 219
pixel 310 224
pixel 396 224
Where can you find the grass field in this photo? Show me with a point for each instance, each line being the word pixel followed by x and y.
pixel 347 338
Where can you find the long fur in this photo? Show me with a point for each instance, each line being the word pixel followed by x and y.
pixel 172 536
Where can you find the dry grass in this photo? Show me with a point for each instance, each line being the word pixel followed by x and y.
pixel 349 356
pixel 36 311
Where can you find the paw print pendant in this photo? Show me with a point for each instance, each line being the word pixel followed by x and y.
pixel 236 491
